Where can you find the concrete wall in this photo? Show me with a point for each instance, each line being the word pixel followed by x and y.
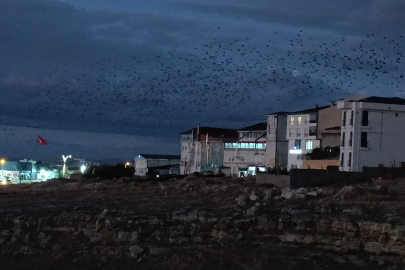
pixel 385 134
pixel 274 179
pixel 276 142
pixel 319 164
pixel 330 139
pixel 328 118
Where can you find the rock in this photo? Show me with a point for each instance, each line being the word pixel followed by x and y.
pixel 251 211
pixel 135 250
pixel 286 193
pixel 257 204
pixel 253 196
pixel 103 213
pixel 241 200
pixel 312 193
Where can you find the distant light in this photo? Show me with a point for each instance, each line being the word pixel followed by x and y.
pixel 294 151
pixel 82 168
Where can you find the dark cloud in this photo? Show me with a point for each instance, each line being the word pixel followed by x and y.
pixel 157 69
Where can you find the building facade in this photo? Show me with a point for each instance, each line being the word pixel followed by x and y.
pixel 302 135
pixel 247 154
pixel 144 162
pixel 372 133
pixel 276 141
pixel 202 149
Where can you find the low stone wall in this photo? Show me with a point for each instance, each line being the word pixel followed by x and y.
pixel 274 179
pixel 319 164
pixel 321 178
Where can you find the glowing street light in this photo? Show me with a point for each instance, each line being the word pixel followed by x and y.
pixel 127 164
pixel 83 168
pixel 64 163
pixel 3 161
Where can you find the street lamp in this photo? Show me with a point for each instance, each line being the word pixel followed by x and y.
pixel 64 163
pixel 3 161
pixel 127 164
pixel 83 168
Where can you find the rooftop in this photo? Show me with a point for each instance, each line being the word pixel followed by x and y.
pixel 152 156
pixel 278 113
pixel 260 126
pixel 213 132
pixel 312 110
pixel 382 100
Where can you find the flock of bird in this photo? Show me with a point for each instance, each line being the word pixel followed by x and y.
pixel 220 79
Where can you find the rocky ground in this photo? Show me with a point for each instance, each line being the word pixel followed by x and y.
pixel 198 223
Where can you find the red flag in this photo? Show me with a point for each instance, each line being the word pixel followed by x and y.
pixel 42 141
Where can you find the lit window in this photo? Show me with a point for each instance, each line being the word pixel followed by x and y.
pixel 292 121
pixel 308 144
pixel 299 120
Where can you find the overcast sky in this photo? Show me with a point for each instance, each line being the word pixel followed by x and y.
pixel 84 73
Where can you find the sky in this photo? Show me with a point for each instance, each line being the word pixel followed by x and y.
pixel 113 79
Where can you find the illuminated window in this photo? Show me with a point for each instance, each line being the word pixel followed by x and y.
pixel 299 120
pixel 292 121
pixel 308 144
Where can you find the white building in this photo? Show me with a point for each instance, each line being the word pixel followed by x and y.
pixel 276 141
pixel 144 162
pixel 202 149
pixel 248 153
pixel 372 133
pixel 302 131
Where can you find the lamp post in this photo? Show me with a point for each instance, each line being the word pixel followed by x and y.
pixel 64 163
pixel 3 161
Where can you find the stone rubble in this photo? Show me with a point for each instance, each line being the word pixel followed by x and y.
pixel 187 222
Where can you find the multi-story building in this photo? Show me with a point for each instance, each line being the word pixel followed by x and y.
pixel 276 141
pixel 202 149
pixel 248 153
pixel 302 132
pixel 144 162
pixel 372 133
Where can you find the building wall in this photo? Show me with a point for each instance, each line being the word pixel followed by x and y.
pixel 244 158
pixel 328 118
pixel 300 131
pixel 276 142
pixel 142 165
pixel 385 134
pixel 330 140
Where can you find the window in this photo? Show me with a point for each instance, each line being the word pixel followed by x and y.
pixel 343 138
pixel 268 129
pixel 305 132
pixel 298 132
pixel 351 117
pixel 344 119
pixel 292 120
pixel 363 142
pixel 297 145
pixel 364 119
pixel 290 132
pixel 342 160
pixel 313 118
pixel 351 139
pixel 349 162
pixel 306 119
pixel 396 114
pixel 308 144
pixel 293 166
pixel 299 120
pixel 312 131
